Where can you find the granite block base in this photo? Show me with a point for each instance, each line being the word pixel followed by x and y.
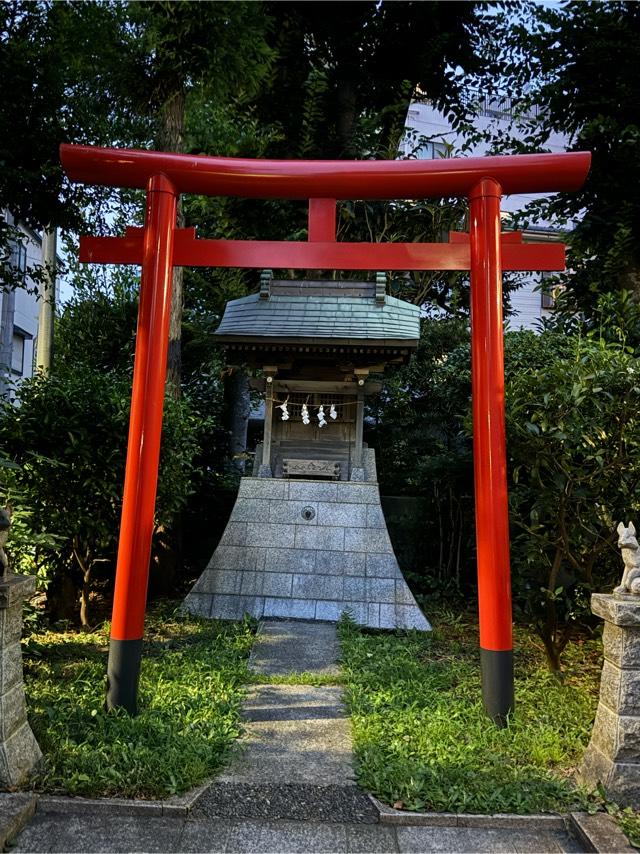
pixel 306 550
pixel 612 758
pixel 19 751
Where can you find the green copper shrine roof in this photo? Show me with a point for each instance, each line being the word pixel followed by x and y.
pixel 343 311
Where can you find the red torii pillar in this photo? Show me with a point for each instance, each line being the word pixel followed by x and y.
pixel 160 246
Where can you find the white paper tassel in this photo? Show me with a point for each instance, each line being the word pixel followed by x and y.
pixel 321 419
pixel 305 414
pixel 285 410
pixel 332 412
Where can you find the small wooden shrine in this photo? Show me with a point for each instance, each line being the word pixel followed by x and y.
pixel 316 344
pixel 307 538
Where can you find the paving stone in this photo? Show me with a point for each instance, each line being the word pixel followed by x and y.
pixel 295 734
pixel 16 808
pixel 288 838
pixel 285 647
pixel 204 836
pixel 375 838
pixel 454 839
pixel 118 833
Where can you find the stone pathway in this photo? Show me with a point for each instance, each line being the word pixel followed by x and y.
pixel 291 787
pixel 296 760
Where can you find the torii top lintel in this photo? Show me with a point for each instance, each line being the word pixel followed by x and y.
pixel 336 179
pixel 322 182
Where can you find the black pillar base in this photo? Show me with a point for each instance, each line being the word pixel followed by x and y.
pixel 497 684
pixel 123 672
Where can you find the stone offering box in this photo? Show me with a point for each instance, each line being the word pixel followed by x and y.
pixel 307 537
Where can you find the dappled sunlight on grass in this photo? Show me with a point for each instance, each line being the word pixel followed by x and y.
pixel 190 695
pixel 422 737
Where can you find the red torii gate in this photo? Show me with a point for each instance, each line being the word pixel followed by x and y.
pixel 160 246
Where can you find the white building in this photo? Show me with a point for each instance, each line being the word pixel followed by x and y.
pixel 430 135
pixel 20 307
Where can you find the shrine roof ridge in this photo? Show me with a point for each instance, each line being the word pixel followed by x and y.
pixel 320 317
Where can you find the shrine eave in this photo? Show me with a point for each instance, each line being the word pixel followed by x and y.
pixel 330 344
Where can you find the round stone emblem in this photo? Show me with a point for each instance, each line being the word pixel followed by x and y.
pixel 308 513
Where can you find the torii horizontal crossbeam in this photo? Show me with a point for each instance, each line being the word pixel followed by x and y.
pixel 326 255
pixel 338 179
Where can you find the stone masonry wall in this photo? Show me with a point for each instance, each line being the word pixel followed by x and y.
pixel 308 550
pixel 19 751
pixel 613 755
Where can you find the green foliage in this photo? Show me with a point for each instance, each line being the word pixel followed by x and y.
pixel 422 737
pixel 574 441
pixel 424 450
pixel 341 83
pixel 69 438
pixel 190 696
pixel 572 69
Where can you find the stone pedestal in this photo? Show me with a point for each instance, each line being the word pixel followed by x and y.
pixel 613 755
pixel 306 550
pixel 19 751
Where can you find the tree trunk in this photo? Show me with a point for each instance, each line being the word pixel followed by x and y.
pixel 170 138
pixel 346 117
pixel 84 599
pixel 238 409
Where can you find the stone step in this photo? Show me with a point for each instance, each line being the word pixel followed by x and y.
pixel 286 801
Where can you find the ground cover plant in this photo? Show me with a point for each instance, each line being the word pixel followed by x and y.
pixel 422 738
pixel 190 696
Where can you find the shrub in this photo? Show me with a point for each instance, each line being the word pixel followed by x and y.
pixel 574 446
pixel 69 435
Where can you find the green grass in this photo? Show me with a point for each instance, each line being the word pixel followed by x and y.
pixel 421 736
pixel 191 689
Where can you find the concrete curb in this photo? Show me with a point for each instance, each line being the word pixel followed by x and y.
pixel 178 805
pixel 389 815
pixel 16 810
pixel 598 832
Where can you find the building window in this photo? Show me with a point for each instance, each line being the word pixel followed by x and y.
pixel 431 151
pixel 17 354
pixel 548 291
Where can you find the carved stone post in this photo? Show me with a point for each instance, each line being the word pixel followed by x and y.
pixel 613 755
pixel 19 751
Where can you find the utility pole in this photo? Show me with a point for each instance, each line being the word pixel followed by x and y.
pixel 47 300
